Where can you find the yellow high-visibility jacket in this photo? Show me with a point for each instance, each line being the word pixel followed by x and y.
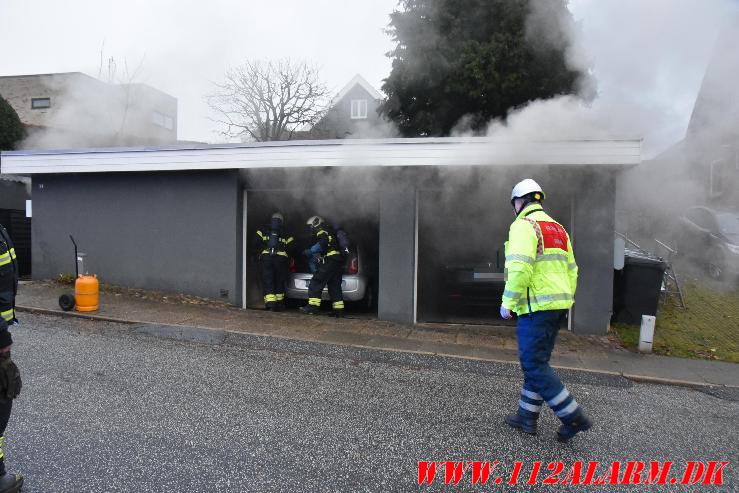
pixel 540 268
pixel 8 280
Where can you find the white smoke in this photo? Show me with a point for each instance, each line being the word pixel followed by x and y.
pixel 88 112
pixel 650 62
pixel 648 59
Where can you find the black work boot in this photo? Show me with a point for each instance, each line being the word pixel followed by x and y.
pixel 527 424
pixel 269 306
pixel 310 310
pixel 10 482
pixel 336 313
pixel 573 425
pixel 279 306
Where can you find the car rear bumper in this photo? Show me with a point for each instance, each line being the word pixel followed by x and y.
pixel 353 287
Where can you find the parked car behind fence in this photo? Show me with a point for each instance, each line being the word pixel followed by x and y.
pixel 712 238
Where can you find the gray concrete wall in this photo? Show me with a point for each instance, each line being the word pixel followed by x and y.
pixel 182 232
pixel 165 231
pixel 397 253
pixel 593 235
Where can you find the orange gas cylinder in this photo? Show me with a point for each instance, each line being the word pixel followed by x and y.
pixel 86 289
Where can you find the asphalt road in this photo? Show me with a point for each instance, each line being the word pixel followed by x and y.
pixel 104 409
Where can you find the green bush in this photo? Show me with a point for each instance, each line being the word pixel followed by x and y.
pixel 65 278
pixel 11 128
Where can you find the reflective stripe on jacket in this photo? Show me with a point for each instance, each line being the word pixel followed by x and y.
pixel 327 243
pixel 284 244
pixel 540 268
pixel 7 257
pixel 8 277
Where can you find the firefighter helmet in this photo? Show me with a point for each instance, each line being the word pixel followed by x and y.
pixel 314 221
pixel 277 215
pixel 526 187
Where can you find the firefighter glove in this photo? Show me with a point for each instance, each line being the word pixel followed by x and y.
pixel 506 313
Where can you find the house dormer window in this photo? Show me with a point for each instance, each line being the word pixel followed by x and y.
pixel 162 120
pixel 359 109
pixel 40 103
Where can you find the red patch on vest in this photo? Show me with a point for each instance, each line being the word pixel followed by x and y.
pixel 554 235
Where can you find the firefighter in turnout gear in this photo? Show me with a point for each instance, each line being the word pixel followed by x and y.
pixel 10 377
pixel 541 277
pixel 329 263
pixel 274 258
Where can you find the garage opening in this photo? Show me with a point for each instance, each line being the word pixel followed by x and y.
pixel 354 210
pixel 462 230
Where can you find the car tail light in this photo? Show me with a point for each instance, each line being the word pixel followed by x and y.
pixel 353 267
pixel 293 270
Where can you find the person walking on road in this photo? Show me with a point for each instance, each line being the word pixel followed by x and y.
pixel 10 377
pixel 541 278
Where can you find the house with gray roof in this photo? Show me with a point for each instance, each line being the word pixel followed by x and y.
pixel 353 114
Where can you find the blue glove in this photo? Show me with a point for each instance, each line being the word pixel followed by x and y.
pixel 505 313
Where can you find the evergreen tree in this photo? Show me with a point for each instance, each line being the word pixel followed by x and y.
pixel 11 128
pixel 475 59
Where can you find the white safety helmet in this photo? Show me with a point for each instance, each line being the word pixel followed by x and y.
pixel 277 215
pixel 526 187
pixel 314 221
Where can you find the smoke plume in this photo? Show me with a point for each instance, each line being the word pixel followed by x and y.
pixel 648 59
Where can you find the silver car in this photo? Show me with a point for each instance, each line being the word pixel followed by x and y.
pixel 712 237
pixel 357 283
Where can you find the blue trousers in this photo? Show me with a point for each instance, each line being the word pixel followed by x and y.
pixel 537 334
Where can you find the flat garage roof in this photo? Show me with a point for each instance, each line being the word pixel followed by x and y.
pixel 443 151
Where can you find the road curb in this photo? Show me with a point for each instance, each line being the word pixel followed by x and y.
pixel 101 318
pixel 210 335
pixel 676 383
pixel 183 333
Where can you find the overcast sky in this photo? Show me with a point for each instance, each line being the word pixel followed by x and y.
pixel 650 53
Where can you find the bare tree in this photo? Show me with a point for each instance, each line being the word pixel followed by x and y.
pixel 269 100
pixel 124 81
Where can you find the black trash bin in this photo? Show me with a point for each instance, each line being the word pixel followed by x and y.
pixel 637 287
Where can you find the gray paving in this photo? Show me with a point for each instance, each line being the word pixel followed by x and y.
pixel 188 318
pixel 107 409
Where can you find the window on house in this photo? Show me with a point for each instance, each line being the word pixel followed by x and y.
pixel 162 120
pixel 40 103
pixel 720 176
pixel 359 108
pixel 157 118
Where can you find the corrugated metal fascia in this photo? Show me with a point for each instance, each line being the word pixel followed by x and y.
pixel 390 152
